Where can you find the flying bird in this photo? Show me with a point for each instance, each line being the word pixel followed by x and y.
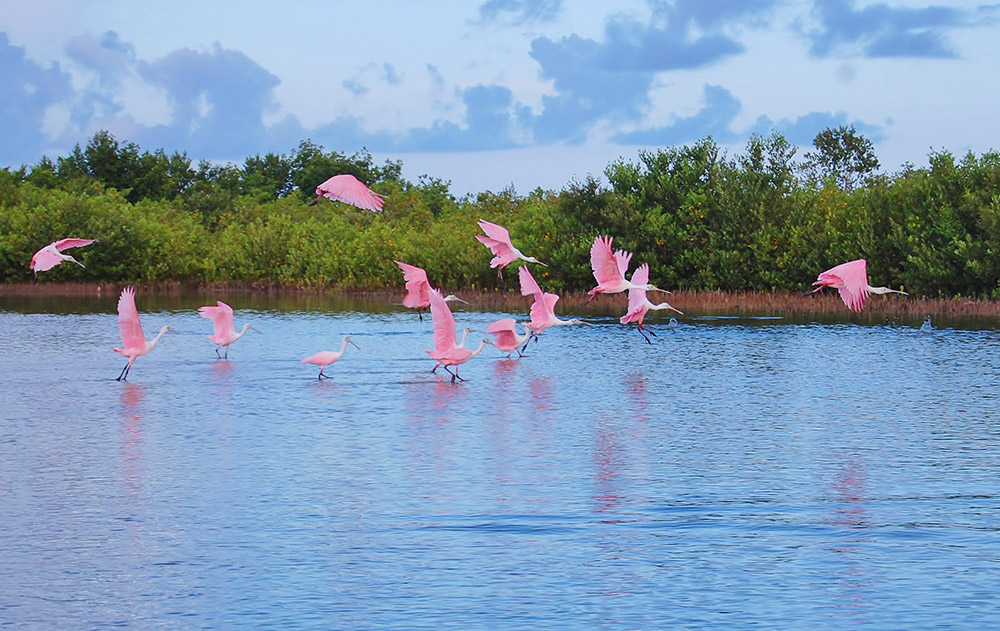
pixel 506 338
pixel 497 239
pixel 418 289
pixel 133 339
pixel 51 255
pixel 325 358
pixel 461 344
pixel 851 280
pixel 222 319
pixel 639 305
pixel 610 267
pixel 446 351
pixel 543 309
pixel 348 189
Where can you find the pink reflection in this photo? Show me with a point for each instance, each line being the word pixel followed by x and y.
pixel 130 403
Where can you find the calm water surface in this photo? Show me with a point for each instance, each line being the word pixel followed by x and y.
pixel 736 473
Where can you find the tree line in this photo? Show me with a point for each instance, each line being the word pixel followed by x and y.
pixel 761 219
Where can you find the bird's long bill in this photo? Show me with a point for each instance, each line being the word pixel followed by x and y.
pixel 464 302
pixel 654 288
pixel 812 291
pixel 351 342
pixel 253 329
pixel 676 309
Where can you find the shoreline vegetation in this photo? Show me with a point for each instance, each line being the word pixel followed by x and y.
pixel 750 303
pixel 727 233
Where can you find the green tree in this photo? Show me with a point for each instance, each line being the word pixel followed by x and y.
pixel 843 155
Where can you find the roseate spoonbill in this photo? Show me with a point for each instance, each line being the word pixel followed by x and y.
pixel 325 358
pixel 543 314
pixel 609 270
pixel 348 189
pixel 506 338
pixel 461 344
pixel 497 239
pixel 222 319
pixel 133 339
pixel 51 255
pixel 418 289
pixel 851 279
pixel 639 305
pixel 446 351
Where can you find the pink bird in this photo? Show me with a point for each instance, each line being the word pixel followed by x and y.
pixel 639 305
pixel 325 358
pixel 543 309
pixel 851 279
pixel 348 189
pixel 446 351
pixel 461 344
pixel 497 239
pixel 418 289
pixel 51 255
pixel 610 268
pixel 133 339
pixel 222 319
pixel 506 338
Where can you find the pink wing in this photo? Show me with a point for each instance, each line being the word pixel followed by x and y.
pixel 347 188
pixel 637 297
pixel 851 279
pixel 496 232
pixel 444 323
pixel 528 285
pixel 65 244
pixel 128 320
pixel 417 285
pixel 506 324
pixel 609 266
pixel 543 310
pixel 222 317
pixel 497 239
pixel 505 332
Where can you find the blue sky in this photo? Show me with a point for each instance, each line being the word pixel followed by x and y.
pixel 496 93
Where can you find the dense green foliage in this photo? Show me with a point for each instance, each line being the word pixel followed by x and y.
pixel 701 219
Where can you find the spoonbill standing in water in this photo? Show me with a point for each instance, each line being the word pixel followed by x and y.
pixel 497 239
pixel 609 269
pixel 851 280
pixel 446 351
pixel 348 189
pixel 133 339
pixel 51 255
pixel 325 358
pixel 461 344
pixel 543 309
pixel 639 305
pixel 506 338
pixel 225 333
pixel 418 289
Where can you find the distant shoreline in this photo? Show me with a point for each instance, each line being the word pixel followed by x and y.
pixel 700 302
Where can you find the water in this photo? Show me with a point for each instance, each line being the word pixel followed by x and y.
pixel 734 473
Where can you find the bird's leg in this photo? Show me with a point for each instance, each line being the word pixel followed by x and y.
pixel 227 352
pixel 436 366
pixel 217 352
pixel 644 336
pixel 587 301
pixel 453 375
pixel 420 314
pixel 321 375
pixel 122 375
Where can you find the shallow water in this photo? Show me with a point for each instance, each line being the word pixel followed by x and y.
pixel 736 472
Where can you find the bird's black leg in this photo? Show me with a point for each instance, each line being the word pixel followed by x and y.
pixel 227 353
pixel 420 314
pixel 124 373
pixel 644 336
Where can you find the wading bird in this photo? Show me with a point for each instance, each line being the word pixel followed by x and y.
pixel 851 279
pixel 543 309
pixel 461 344
pixel 418 289
pixel 133 339
pixel 446 351
pixel 609 269
pixel 222 319
pixel 639 305
pixel 497 239
pixel 51 255
pixel 506 338
pixel 325 358
pixel 348 189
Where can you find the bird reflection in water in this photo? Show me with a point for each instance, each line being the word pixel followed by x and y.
pixel 851 514
pixel 130 405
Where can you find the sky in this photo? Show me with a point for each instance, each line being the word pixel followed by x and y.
pixel 492 94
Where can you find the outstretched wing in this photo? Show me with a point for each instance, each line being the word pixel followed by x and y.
pixel 529 287
pixel 637 297
pixel 128 320
pixel 609 266
pixel 65 244
pixel 221 315
pixel 348 189
pixel 851 279
pixel 444 323
pixel 417 285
